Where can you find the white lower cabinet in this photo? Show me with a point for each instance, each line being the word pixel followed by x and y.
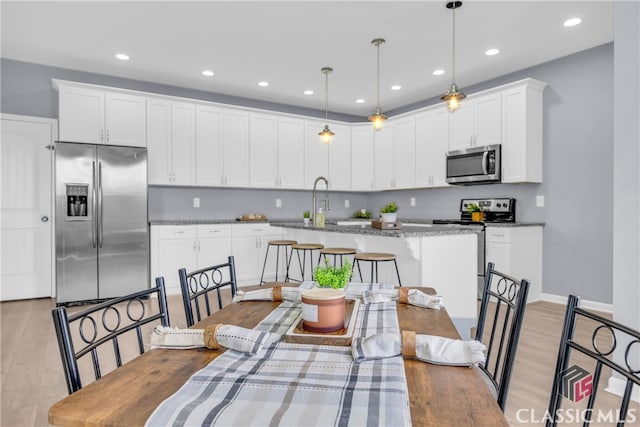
pixel 249 245
pixel 187 246
pixel 517 251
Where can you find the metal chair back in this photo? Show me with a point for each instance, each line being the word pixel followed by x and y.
pixel 197 285
pixel 83 333
pixel 504 299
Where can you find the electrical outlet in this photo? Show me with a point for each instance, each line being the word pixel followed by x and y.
pixel 412 201
pixel 196 202
pixel 540 201
pixel 346 203
pixel 278 203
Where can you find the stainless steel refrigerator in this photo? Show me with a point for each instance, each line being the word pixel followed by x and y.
pixel 102 232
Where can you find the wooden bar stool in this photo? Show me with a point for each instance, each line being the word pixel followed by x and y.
pixel 374 258
pixel 304 248
pixel 336 252
pixel 279 244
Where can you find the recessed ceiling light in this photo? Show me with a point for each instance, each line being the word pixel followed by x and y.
pixel 359 101
pixel 396 87
pixel 207 73
pixel 572 22
pixel 492 52
pixel 308 92
pixel 122 57
pixel 438 72
pixel 263 84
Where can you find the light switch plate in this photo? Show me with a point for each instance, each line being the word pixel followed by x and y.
pixel 412 201
pixel 346 203
pixel 278 203
pixel 540 201
pixel 196 202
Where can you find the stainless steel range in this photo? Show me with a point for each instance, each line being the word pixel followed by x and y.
pixel 499 210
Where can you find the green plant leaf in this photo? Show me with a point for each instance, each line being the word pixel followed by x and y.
pixel 334 277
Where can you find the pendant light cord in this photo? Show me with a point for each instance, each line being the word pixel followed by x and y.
pixel 326 95
pixel 453 50
pixel 378 77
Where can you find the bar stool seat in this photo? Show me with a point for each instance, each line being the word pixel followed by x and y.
pixel 279 244
pixel 374 258
pixel 336 252
pixel 304 248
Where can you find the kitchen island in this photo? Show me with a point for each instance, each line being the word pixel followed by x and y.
pixel 438 256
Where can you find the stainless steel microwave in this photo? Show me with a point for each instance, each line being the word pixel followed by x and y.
pixel 476 165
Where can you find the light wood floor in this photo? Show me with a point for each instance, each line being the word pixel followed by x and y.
pixel 32 378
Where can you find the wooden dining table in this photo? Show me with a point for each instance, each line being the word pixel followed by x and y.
pixel 438 395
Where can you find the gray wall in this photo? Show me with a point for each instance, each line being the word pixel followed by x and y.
pixel 578 167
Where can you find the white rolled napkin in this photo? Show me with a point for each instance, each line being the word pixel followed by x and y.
pixel 277 293
pixel 213 337
pixel 428 348
pixel 403 295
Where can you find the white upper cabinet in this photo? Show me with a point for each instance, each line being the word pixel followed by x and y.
pixel 236 148
pixel 477 122
pixel 404 152
pixel 522 132
pixel 290 153
pixel 101 117
pixel 383 158
pixel 263 150
pixel 209 150
pixel 432 143
pixel 316 154
pixel 171 151
pixel 362 157
pixel 340 159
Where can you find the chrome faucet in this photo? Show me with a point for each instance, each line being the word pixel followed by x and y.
pixel 326 197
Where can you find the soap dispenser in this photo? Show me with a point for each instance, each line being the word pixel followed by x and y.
pixel 319 219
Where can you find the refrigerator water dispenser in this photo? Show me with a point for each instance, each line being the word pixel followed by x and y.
pixel 77 200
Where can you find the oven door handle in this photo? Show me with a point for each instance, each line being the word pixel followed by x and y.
pixel 485 166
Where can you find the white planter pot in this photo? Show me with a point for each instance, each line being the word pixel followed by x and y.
pixel 389 217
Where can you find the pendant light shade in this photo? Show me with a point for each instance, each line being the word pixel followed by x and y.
pixel 378 117
pixel 326 136
pixel 453 95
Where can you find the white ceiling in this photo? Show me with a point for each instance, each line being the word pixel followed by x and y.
pixel 287 43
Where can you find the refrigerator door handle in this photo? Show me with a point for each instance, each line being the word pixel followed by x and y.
pixel 93 204
pixel 100 228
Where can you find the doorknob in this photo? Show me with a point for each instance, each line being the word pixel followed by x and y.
pixel 44 218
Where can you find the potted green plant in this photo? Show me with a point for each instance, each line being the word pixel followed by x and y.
pixel 306 216
pixel 476 212
pixel 362 213
pixel 332 277
pixel 389 212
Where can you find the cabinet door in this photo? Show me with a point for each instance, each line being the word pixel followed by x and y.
pixel 125 118
pixel 362 158
pixel 208 146
pixel 440 147
pixel 159 151
pixel 212 251
pixel 425 142
pixel 487 120
pixel 245 250
pixel 290 153
pixel 340 159
pixel 174 254
pixel 316 154
pixel 500 255
pixel 383 158
pixel 236 148
pixel 263 150
pixel 81 115
pixel 404 153
pixel 183 143
pixel 462 127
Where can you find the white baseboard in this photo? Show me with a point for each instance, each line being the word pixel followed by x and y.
pixel 616 386
pixel 589 305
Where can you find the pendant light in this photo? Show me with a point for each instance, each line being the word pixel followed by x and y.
pixel 326 135
pixel 378 117
pixel 453 95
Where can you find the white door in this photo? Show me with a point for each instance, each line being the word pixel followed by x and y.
pixel 26 231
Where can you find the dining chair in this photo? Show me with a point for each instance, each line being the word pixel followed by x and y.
pixel 608 345
pixel 504 299
pixel 197 285
pixel 84 333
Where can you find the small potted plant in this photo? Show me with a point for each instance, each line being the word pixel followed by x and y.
pixel 476 212
pixel 362 213
pixel 306 216
pixel 332 277
pixel 389 212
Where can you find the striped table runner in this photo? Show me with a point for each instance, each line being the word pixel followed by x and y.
pixel 297 384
